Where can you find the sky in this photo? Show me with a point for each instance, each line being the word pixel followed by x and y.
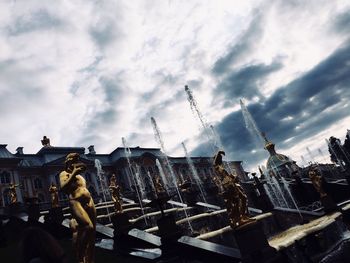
pixel 91 72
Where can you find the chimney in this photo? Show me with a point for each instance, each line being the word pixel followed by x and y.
pixel 19 150
pixel 91 149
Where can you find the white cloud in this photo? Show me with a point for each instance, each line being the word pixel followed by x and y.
pixel 54 66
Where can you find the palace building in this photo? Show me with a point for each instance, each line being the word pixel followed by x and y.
pixel 34 173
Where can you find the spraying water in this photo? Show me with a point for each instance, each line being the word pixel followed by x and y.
pixel 159 140
pixel 195 110
pixel 335 154
pixel 163 177
pixel 260 140
pixel 310 154
pixel 209 131
pixel 303 160
pixel 251 126
pixel 101 178
pixel 151 182
pixel 194 173
pixel 127 153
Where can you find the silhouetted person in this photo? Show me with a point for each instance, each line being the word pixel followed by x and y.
pixel 38 246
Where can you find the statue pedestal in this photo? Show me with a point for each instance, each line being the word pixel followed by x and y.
pixel 15 209
pixel 191 197
pixel 328 204
pixel 55 215
pixel 33 212
pixel 253 245
pixel 168 230
pixel 121 224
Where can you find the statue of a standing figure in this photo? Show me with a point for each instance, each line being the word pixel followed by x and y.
pixel 235 199
pixel 114 188
pixel 158 186
pixel 54 195
pixel 316 180
pixel 82 208
pixel 12 193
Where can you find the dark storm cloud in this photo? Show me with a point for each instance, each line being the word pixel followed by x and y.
pixel 297 111
pixel 39 20
pixel 246 43
pixel 245 81
pixel 165 80
pixel 342 22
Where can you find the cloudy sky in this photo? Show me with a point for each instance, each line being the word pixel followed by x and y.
pixel 90 72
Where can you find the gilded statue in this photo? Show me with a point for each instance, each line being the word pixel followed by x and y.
pixel 114 188
pixel 12 193
pixel 82 208
pixel 54 195
pixel 158 186
pixel 235 199
pixel 316 180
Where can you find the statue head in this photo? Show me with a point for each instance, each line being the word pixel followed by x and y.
pixel 113 179
pixel 71 158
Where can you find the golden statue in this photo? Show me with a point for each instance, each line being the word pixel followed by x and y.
pixel 316 180
pixel 235 199
pixel 114 188
pixel 82 208
pixel 12 193
pixel 158 185
pixel 54 195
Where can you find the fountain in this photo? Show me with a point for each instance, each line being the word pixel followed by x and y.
pixel 195 110
pixel 194 173
pixel 163 177
pixel 103 184
pixel 251 126
pixel 260 139
pixel 127 153
pixel 159 140
pixel 339 161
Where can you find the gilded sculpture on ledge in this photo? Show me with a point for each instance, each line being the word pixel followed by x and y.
pixel 158 186
pixel 114 188
pixel 54 195
pixel 235 199
pixel 12 193
pixel 316 180
pixel 82 208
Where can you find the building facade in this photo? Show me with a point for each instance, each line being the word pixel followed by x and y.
pixel 34 173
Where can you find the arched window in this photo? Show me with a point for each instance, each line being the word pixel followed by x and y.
pixel 5 177
pixel 6 196
pixel 38 184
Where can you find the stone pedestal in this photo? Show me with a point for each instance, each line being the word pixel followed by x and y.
pixel 121 224
pixel 169 233
pixel 191 197
pixel 15 209
pixel 2 235
pixel 168 230
pixel 33 212
pixel 55 215
pixel 328 204
pixel 253 245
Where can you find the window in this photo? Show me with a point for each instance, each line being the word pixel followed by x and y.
pixel 38 184
pixel 5 177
